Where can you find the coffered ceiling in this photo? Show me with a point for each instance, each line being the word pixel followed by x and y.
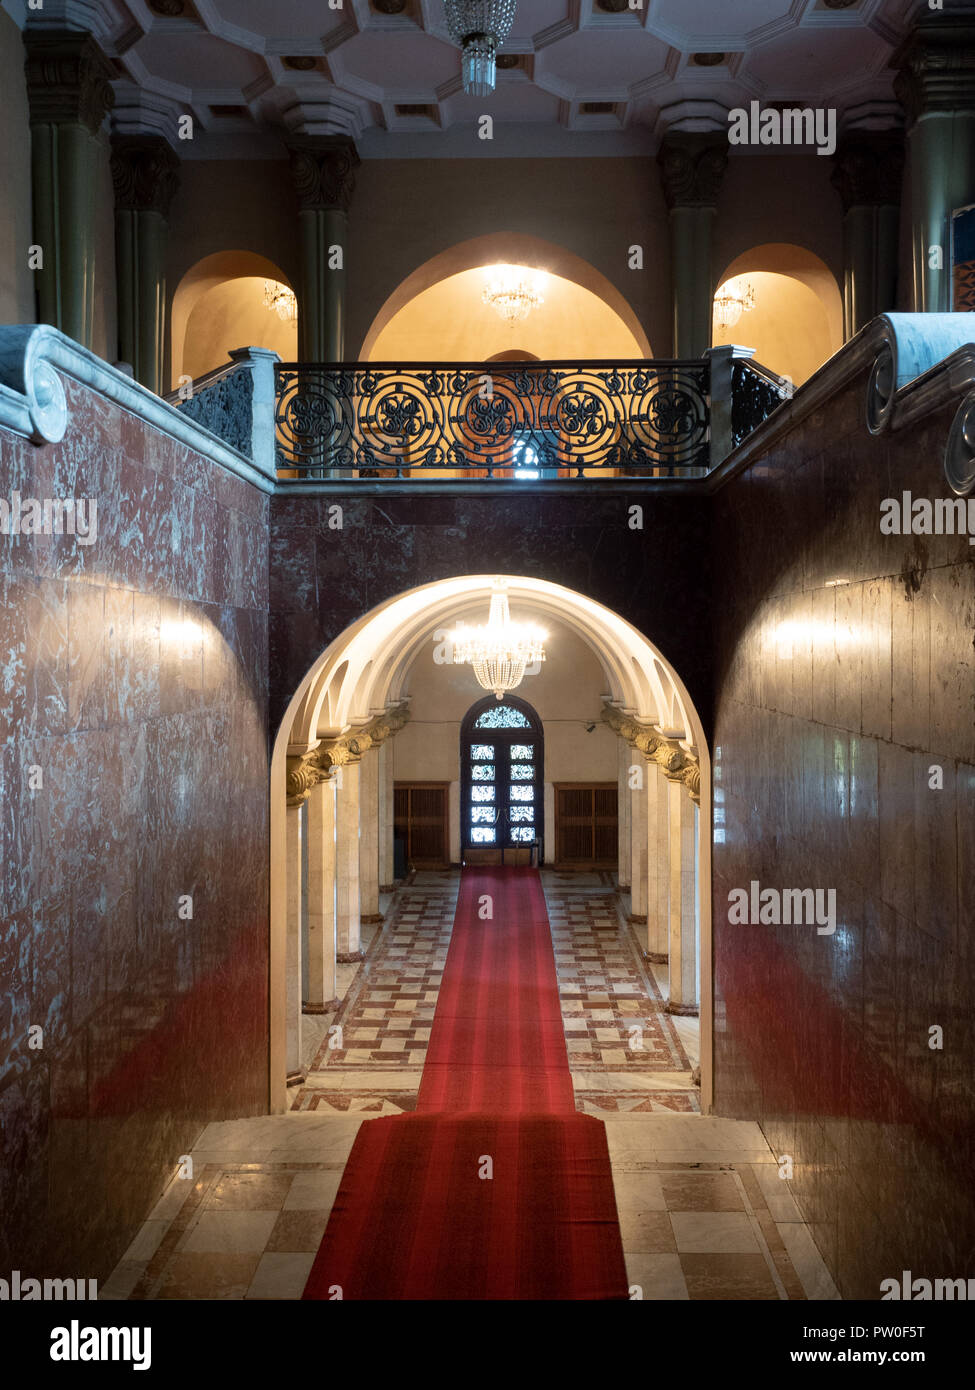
pixel 575 76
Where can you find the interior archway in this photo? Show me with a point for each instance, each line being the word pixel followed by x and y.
pixel 220 301
pixel 366 670
pixel 512 248
pixel 797 321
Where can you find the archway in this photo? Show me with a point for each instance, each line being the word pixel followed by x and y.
pixel 219 305
pixel 358 689
pixel 797 321
pixel 450 278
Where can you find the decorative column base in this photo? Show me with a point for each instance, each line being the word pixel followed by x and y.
pixel 296 1078
pixel 372 916
pixel 655 958
pixel 387 888
pixel 328 1007
pixel 349 957
pixel 637 918
pixel 681 1010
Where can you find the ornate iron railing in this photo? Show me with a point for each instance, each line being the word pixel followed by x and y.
pixel 755 393
pixel 493 420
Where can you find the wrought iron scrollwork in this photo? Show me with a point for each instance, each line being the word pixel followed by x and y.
pixel 636 419
pixel 754 395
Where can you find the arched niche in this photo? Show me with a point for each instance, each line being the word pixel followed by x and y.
pixel 574 279
pixel 797 322
pixel 218 305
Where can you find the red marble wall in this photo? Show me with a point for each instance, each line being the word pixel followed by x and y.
pixel 322 579
pixel 133 675
pixel 845 671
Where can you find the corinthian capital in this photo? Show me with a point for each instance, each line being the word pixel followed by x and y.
pixel 691 169
pixel 305 771
pixel 68 79
pixel 869 168
pixel 323 169
pixel 145 172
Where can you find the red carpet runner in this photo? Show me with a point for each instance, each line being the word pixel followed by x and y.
pixel 416 1215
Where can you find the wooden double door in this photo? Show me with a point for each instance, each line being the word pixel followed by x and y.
pixel 586 825
pixel 420 820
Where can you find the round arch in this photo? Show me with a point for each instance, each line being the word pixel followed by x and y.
pixel 208 274
pixel 798 319
pixel 511 248
pixel 365 671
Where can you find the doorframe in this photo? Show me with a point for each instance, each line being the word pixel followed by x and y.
pixel 537 736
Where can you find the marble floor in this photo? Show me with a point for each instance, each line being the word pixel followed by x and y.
pixel 703 1213
pixel 702 1210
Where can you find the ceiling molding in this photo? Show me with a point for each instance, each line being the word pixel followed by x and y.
pixel 366 63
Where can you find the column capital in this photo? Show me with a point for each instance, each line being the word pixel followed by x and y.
pixel 304 772
pixel 323 168
pixel 691 169
pixel 68 79
pixel 869 168
pixel 936 65
pixel 145 173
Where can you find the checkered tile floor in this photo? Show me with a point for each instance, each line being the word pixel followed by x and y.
pixel 617 1036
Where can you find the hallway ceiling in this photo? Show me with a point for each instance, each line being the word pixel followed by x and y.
pixel 386 73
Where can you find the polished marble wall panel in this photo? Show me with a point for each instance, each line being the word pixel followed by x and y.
pixel 133 684
pixel 323 579
pixel 845 673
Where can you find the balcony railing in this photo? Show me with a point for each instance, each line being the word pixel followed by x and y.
pixel 493 420
pixel 646 419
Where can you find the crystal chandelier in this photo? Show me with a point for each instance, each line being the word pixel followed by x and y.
pixel 733 299
pixel 513 291
pixel 500 652
pixel 480 27
pixel 281 301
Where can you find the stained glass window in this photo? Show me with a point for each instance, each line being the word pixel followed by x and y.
pixel 502 717
pixel 522 813
pixel 522 793
pixel 480 835
pixel 522 772
pixel 483 815
pixel 483 772
pixel 482 793
pixel 524 833
pixel 522 752
pixel 479 751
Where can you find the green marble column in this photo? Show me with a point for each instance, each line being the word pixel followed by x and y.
pixel 868 175
pixel 691 169
pixel 323 168
pixel 936 86
pixel 145 176
pixel 69 94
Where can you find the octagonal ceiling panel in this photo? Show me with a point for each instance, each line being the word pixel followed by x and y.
pixel 612 62
pixel 691 25
pixel 199 61
pixel 396 63
pixel 273 20
pixel 807 65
